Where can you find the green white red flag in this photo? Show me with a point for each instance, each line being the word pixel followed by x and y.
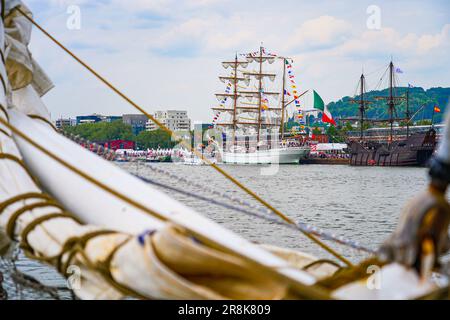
pixel 318 104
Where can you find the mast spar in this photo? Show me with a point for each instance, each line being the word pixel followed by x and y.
pixel 283 106
pixel 408 116
pixel 392 102
pixel 235 98
pixel 259 95
pixel 362 105
pixel 248 114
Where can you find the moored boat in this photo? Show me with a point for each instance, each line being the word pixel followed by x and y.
pixel 254 133
pixel 411 150
pixel 281 155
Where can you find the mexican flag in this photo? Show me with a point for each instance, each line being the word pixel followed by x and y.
pixel 319 105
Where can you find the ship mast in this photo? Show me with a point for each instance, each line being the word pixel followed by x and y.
pixel 407 113
pixel 392 102
pixel 238 108
pixel 260 95
pixel 235 98
pixel 232 79
pixel 362 105
pixel 283 107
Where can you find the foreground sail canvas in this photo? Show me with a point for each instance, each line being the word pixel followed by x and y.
pixel 70 208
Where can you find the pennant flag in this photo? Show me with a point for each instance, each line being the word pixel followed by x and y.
pixel 320 105
pixel 437 109
pixel 398 70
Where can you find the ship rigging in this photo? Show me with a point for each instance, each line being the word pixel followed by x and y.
pixel 262 124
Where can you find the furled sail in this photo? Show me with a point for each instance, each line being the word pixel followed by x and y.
pixel 140 239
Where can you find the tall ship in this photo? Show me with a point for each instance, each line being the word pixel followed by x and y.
pixel 252 112
pixel 395 147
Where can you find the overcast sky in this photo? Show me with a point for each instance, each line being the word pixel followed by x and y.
pixel 166 54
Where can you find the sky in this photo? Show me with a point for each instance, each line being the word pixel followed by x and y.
pixel 167 54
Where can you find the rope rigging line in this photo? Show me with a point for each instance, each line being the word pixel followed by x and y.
pixel 299 226
pixel 178 140
pixel 313 290
pixel 381 79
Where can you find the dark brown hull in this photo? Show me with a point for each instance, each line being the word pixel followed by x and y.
pixel 324 161
pixel 413 151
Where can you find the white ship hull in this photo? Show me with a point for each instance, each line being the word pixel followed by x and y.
pixel 291 155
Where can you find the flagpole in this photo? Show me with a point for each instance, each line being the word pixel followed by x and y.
pixel 432 117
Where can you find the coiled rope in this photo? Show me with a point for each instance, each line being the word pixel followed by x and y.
pixel 181 141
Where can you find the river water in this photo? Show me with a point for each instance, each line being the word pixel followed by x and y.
pixel 358 203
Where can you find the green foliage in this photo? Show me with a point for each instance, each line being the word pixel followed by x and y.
pixel 154 139
pixel 106 131
pixel 102 131
pixel 378 109
pixel 339 134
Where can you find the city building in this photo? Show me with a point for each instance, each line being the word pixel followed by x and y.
pixel 136 121
pixel 94 118
pixel 175 120
pixel 68 122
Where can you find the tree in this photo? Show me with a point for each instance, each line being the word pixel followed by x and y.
pixel 418 97
pixel 102 131
pixel 154 139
